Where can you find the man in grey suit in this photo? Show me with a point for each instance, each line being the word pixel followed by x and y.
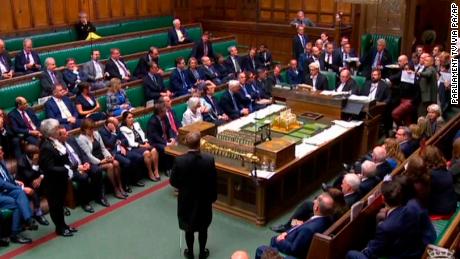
pixel 50 77
pixel 96 71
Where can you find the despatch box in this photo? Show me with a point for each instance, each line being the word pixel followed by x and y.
pixel 204 127
pixel 277 150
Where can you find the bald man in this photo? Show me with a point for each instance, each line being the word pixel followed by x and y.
pixel 240 255
pixel 27 60
pixel 6 66
pixel 379 157
pixel 24 123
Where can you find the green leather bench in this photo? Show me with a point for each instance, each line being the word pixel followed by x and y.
pixel 393 44
pixel 31 90
pixel 69 35
pixel 331 79
pixel 360 80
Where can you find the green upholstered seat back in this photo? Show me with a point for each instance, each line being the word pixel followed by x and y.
pixel 393 44
pixel 30 90
pixel 136 95
pixel 143 120
pixel 222 47
pixel 360 80
pixel 331 79
pixel 179 110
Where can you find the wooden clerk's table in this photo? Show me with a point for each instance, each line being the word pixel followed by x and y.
pixel 260 200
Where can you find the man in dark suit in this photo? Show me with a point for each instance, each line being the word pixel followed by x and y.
pixel 27 60
pixel 230 101
pixel 399 235
pixel 209 71
pixel 143 65
pixel 379 157
pixel 315 57
pixel 73 76
pixel 346 83
pixel 296 241
pixel 275 77
pixel 61 108
pixel 11 144
pixel 404 138
pixel 50 77
pixel 299 42
pixel 180 83
pixel 350 188
pixel 315 78
pixel 250 62
pixel 203 47
pixel 116 67
pixel 233 62
pixel 6 66
pixel 264 84
pixel 215 114
pixel 376 89
pixel 264 56
pixel 30 174
pixel 95 71
pixel 153 84
pixel 197 192
pixel 177 35
pixel 24 123
pixel 174 122
pixel 84 27
pixel 331 61
pixel 294 75
pixel 54 162
pixel 368 178
pixel 15 199
pixel 378 57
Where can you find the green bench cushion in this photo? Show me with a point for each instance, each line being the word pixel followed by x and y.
pixel 222 47
pixel 360 80
pixel 441 226
pixel 30 90
pixel 179 110
pixel 331 79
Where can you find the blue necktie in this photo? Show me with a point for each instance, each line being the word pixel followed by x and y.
pixel 184 84
pixel 234 103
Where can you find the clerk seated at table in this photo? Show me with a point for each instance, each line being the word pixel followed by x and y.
pixel 346 83
pixel 376 89
pixel 294 74
pixel 230 101
pixel 315 78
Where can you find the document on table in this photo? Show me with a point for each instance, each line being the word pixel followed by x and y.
pixel 302 150
pixel 262 174
pixel 408 77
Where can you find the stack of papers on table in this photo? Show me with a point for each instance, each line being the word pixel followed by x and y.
pixel 262 174
pixel 325 136
pixel 347 124
pixel 359 98
pixel 302 150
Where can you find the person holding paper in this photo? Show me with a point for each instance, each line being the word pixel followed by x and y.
pixel 376 89
pixel 428 85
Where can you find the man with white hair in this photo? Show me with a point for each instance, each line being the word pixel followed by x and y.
pixel 350 188
pixel 231 102
pixel 379 157
pixel 50 77
pixel 368 178
pixel 301 20
pixel 177 35
pixel 378 57
pixel 315 78
pixel 6 66
pixel 27 60
pixel 234 62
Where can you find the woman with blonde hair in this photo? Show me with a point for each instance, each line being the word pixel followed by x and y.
pixel 394 153
pixel 117 100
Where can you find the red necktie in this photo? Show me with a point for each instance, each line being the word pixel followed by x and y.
pixel 172 122
pixel 26 121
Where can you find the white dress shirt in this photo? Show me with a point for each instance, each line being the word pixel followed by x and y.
pixel 65 113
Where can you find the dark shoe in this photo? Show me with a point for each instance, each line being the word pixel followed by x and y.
pixel 188 255
pixel 42 220
pixel 104 202
pixel 30 225
pixel 72 229
pixel 279 229
pixel 20 239
pixel 125 194
pixel 88 208
pixel 64 233
pixel 204 254
pixel 4 242
pixel 128 189
pixel 66 211
pixel 139 184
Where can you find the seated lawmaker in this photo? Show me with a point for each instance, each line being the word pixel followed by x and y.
pixel 379 157
pixel 294 75
pixel 195 75
pixel 61 108
pixel 368 177
pixel 301 20
pixel 331 60
pixel 6 66
pixel 87 105
pixel 234 62
pixel 257 94
pixel 376 89
pixel 350 188
pixel 377 58
pixel 84 27
pixel 231 102
pixel 117 100
pixel 24 122
pixel 221 68
pixel 170 114
pixel 73 76
pixel 215 113
pixel 315 78
pixel 153 84
pixel 442 199
pixel 346 83
pixel 116 67
pixel 143 65
pixel 50 77
pixel 27 61
pixel 95 71
pixel 394 154
pixel 209 71
pixel 193 113
pixel 180 81
pixel 250 61
pixel 296 242
pixel 264 84
pixel 264 56
pixel 404 138
pixel 276 77
pixel 432 123
pixel 203 47
pixel 178 34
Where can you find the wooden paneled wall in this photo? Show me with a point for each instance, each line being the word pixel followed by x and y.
pixel 23 15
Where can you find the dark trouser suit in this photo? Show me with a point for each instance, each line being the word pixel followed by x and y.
pixel 56 188
pixel 16 200
pixel 90 183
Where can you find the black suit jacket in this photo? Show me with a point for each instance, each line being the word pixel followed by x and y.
pixel 210 73
pixel 350 85
pixel 336 62
pixel 352 198
pixel 197 189
pixel 152 89
pixel 155 133
pixel 25 172
pixel 83 30
pixel 47 83
pixel 250 64
pixel 52 163
pixel 6 61
pixel 216 110
pixel 18 124
pixel 383 169
pixel 265 60
pixel 297 47
pixel 142 68
pixel 198 50
pixel 112 69
pixel 321 82
pixel 173 40
pixel 109 139
pixel 368 59
pixel 367 185
pixel 227 105
pixel 442 199
pixel 230 67
pixel 20 61
pixel 383 91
